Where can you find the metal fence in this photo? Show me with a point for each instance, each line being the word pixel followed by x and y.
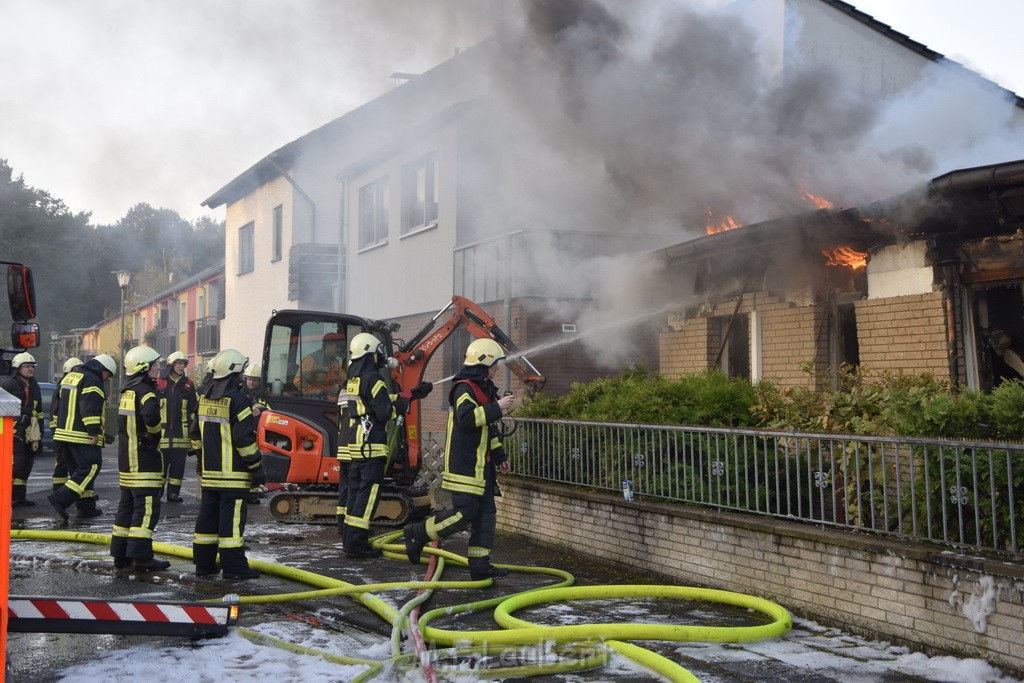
pixel 955 492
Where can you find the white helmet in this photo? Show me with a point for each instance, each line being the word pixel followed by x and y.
pixel 484 352
pixel 72 363
pixel 21 359
pixel 140 359
pixel 176 356
pixel 227 362
pixel 108 363
pixel 364 343
pixel 253 371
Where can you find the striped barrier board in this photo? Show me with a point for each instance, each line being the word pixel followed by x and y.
pixel 132 617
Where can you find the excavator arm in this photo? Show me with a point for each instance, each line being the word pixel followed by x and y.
pixel 414 355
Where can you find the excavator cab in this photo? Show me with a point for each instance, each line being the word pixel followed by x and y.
pixel 305 359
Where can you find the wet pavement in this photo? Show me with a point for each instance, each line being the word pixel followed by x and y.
pixel 809 652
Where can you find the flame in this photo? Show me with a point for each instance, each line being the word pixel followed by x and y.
pixel 845 256
pixel 727 223
pixel 819 202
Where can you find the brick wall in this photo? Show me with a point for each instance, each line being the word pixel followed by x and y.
pixel 906 333
pixel 936 601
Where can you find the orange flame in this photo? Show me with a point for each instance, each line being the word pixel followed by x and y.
pixel 845 256
pixel 727 223
pixel 819 202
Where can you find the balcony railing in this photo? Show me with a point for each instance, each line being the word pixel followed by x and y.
pixel 959 493
pixel 165 341
pixel 207 336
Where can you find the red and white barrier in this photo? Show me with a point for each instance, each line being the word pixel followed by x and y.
pixel 78 615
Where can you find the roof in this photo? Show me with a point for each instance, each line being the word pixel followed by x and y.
pixel 909 43
pixel 210 273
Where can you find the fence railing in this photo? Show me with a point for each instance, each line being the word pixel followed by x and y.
pixel 956 492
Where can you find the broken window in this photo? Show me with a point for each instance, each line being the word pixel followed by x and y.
pixel 730 342
pixel 999 334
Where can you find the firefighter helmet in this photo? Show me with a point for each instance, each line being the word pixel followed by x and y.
pixel 140 359
pixel 253 371
pixel 108 363
pixel 364 343
pixel 72 363
pixel 21 359
pixel 175 357
pixel 485 352
pixel 228 362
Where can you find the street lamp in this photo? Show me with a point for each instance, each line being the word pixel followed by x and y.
pixel 123 278
pixel 54 340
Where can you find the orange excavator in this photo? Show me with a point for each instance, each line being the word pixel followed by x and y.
pixel 302 373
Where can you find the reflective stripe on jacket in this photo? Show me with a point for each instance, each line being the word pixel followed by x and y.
pixel 139 461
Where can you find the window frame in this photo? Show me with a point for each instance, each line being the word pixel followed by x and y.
pixel 277 233
pixel 247 248
pixel 374 198
pixel 420 190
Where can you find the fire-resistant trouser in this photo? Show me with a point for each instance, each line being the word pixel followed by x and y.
pixel 220 526
pixel 365 476
pixel 342 508
pixel 137 514
pixel 24 458
pixel 174 468
pixel 88 460
pixel 63 465
pixel 478 513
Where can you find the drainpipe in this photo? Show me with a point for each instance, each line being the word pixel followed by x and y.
pixel 951 300
pixel 291 181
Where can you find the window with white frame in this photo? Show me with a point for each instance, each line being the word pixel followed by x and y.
pixel 373 213
pixel 246 248
pixel 277 237
pixel 419 193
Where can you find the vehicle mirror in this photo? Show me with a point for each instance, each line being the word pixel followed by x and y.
pixel 21 293
pixel 25 335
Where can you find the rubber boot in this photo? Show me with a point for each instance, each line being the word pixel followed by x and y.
pixel 357 544
pixel 415 538
pixel 235 566
pixel 59 507
pixel 151 565
pixel 18 492
pixel 174 494
pixel 481 568
pixel 119 551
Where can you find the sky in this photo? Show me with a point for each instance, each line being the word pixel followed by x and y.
pixel 109 103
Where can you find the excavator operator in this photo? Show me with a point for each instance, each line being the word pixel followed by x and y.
pixel 323 372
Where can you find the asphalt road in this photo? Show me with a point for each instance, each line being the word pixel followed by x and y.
pixel 43 568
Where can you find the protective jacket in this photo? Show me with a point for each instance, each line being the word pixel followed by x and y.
pixel 81 405
pixel 364 410
pixel 178 401
pixel 31 402
pixel 225 431
pixel 473 447
pixel 138 459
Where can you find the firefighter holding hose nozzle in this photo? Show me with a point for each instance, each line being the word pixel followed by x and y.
pixel 473 456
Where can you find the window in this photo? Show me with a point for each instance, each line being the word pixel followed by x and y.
pixel 373 213
pixel 246 246
pixel 275 254
pixel 730 339
pixel 419 193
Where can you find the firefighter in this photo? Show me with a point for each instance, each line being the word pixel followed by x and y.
pixel 139 463
pixel 255 391
pixel 28 429
pixel 224 439
pixel 62 463
pixel 178 400
pixel 473 455
pixel 365 409
pixel 80 424
pixel 322 372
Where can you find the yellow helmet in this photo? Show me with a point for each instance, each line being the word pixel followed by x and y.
pixel 176 356
pixel 253 370
pixel 140 359
pixel 364 343
pixel 21 359
pixel 227 362
pixel 108 363
pixel 484 352
pixel 72 363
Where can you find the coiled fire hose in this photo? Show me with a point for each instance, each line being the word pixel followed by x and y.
pixel 579 646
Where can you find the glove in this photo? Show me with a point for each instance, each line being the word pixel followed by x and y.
pixel 421 390
pixel 401 405
pixel 258 476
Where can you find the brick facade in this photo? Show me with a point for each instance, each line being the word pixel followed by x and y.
pixel 906 333
pixel 922 596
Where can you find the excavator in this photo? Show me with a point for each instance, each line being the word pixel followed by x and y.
pixel 298 433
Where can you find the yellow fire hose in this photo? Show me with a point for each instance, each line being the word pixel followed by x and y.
pixel 585 645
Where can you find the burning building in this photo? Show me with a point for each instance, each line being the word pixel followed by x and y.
pixel 927 282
